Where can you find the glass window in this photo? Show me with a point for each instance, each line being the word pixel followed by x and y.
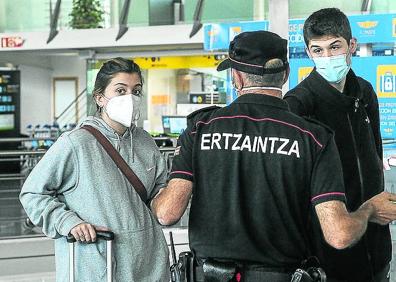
pixel 302 9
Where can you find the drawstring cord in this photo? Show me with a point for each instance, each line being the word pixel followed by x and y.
pixel 132 151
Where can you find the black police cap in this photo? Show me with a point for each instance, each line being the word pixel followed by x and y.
pixel 250 51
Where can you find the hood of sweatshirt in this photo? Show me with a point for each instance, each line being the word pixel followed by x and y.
pixel 116 139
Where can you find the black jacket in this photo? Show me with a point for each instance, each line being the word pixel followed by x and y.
pixel 354 116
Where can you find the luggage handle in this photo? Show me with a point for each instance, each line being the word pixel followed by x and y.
pixel 108 236
pixel 105 235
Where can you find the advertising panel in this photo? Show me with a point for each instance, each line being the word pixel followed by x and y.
pixel 218 36
pixel 296 38
pixel 373 28
pixel 377 28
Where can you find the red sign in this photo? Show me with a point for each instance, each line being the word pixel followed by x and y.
pixel 11 42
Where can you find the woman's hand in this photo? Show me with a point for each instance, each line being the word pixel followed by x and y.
pixel 85 232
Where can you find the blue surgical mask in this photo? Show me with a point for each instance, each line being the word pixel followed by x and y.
pixel 333 68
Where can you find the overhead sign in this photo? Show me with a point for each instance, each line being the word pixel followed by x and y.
pixel 380 28
pixel 376 28
pixel 103 37
pixel 12 42
pixel 373 28
pixel 179 62
pixel 219 36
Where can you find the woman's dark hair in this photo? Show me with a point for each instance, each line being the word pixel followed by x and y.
pixel 329 21
pixel 110 69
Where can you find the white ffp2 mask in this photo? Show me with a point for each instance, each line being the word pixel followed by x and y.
pixel 123 109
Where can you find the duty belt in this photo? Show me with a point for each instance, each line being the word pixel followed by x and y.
pixel 216 271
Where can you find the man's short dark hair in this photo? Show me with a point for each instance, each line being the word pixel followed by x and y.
pixel 328 21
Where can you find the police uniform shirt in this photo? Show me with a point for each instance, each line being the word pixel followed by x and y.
pixel 258 170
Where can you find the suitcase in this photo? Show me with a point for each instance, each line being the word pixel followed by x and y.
pixel 105 235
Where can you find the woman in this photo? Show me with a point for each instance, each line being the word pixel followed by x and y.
pixel 76 188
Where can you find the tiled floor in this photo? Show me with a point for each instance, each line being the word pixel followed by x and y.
pixel 39 277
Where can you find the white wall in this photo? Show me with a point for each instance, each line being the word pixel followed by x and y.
pixel 72 66
pixel 37 87
pixel 36 97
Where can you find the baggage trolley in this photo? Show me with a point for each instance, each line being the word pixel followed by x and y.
pixel 105 235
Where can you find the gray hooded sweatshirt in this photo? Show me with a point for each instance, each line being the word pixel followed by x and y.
pixel 76 181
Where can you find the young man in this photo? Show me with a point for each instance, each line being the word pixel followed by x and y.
pixel 334 95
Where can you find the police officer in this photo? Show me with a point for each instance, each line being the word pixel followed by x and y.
pixel 256 171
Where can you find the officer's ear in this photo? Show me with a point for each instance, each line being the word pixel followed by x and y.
pixel 287 73
pixel 237 78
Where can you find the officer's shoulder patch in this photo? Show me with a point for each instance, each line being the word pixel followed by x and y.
pixel 315 121
pixel 203 110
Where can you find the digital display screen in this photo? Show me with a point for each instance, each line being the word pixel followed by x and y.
pixel 174 124
pixel 9 103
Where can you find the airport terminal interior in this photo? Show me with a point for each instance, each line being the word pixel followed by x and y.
pixel 49 58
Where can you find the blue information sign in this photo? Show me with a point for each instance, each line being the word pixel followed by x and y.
pixel 296 38
pixel 375 28
pixel 218 36
pixel 388 117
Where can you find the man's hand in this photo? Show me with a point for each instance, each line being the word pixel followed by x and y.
pixel 86 232
pixel 170 203
pixel 342 229
pixel 384 205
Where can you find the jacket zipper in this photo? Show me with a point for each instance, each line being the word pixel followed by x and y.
pixel 356 107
